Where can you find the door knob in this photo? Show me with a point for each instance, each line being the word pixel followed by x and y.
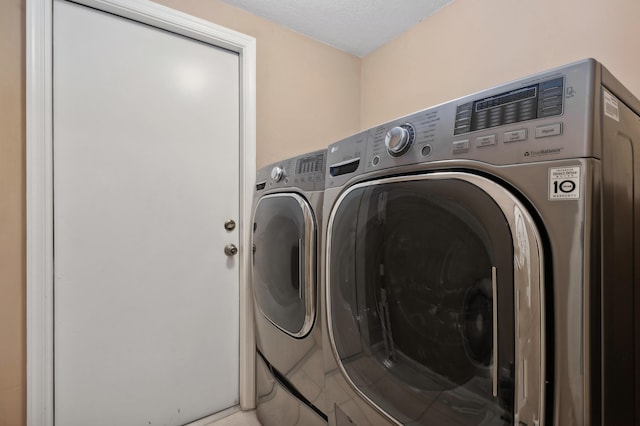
pixel 230 250
pixel 229 225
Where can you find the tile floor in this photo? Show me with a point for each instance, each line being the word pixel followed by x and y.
pixel 240 418
pixel 230 417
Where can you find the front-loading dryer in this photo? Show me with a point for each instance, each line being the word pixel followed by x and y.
pixel 482 259
pixel 286 241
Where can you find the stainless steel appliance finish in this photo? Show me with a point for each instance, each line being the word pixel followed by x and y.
pixel 287 219
pixel 482 259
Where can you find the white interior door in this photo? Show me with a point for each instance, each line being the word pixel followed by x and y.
pixel 146 171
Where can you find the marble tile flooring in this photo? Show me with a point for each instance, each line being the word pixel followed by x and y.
pixel 230 417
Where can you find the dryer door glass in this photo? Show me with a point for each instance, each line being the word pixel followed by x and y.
pixel 283 262
pixel 420 271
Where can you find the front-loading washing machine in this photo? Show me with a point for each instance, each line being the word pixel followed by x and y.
pixel 286 241
pixel 483 259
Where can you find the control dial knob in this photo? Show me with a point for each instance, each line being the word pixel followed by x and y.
pixel 399 139
pixel 277 173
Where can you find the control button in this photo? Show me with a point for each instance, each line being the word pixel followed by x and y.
pixel 375 161
pixel 399 139
pixel 546 131
pixel 510 113
pixel 549 111
pixel 515 136
pixel 551 91
pixel 277 173
pixel 551 101
pixel 426 150
pixel 551 84
pixel 486 140
pixel 463 119
pixel 481 120
pixel 460 146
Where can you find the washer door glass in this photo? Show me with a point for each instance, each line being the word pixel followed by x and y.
pixel 284 262
pixel 420 269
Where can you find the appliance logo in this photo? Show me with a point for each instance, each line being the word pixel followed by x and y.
pixel 548 151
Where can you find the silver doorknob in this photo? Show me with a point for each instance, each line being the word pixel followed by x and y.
pixel 230 225
pixel 230 250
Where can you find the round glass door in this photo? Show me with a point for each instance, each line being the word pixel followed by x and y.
pixel 283 262
pixel 420 300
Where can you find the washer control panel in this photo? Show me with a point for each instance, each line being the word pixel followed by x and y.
pixel 409 139
pixel 538 118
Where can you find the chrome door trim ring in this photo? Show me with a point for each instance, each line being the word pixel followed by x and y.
pixel 310 262
pixel 528 264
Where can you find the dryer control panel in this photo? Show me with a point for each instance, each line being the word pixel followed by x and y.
pixel 305 172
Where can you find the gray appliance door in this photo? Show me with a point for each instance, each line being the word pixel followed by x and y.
pixel 434 300
pixel 284 235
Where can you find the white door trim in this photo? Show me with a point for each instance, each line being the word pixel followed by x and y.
pixel 39 188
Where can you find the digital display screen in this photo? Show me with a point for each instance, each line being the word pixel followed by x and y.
pixel 506 98
pixel 311 164
pixel 526 103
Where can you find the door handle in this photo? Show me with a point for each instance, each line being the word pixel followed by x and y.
pixel 494 291
pixel 301 271
pixel 229 224
pixel 230 250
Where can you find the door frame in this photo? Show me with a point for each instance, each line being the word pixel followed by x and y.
pixel 39 183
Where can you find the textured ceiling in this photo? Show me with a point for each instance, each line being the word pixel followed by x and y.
pixel 355 26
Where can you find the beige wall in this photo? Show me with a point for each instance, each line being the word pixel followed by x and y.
pixel 308 94
pixel 12 201
pixel 471 45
